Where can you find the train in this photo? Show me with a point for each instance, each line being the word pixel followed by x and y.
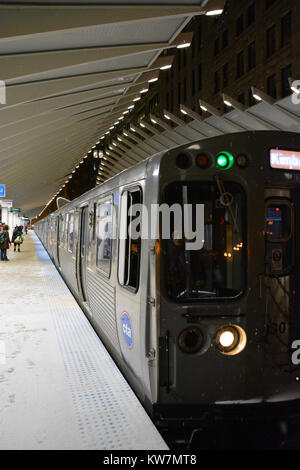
pixel 198 330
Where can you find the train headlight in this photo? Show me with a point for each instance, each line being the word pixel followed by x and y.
pixel 226 339
pixel 231 340
pixel 190 340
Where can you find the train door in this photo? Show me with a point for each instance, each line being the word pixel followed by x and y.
pixel 81 259
pixel 279 275
pixel 130 321
pixel 58 239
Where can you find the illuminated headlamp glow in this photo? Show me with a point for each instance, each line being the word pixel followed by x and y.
pixel 231 340
pixel 226 339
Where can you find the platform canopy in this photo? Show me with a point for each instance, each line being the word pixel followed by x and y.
pixel 145 138
pixel 68 68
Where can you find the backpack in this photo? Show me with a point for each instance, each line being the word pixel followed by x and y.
pixel 2 237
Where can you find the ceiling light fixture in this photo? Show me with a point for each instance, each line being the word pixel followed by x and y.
pixel 183 45
pixel 214 12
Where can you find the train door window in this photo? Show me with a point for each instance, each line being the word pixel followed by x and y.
pixel 130 241
pixel 279 236
pixel 50 233
pixel 104 235
pixel 61 230
pixel 94 222
pixel 66 231
pixel 70 232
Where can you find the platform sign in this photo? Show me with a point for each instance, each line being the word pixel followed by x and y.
pixel 2 190
pixel 15 209
pixel 7 204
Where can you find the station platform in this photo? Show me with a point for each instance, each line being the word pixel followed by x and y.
pixel 59 387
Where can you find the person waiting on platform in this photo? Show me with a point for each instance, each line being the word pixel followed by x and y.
pixel 4 243
pixel 17 237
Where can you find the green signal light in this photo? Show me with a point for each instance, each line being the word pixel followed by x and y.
pixel 225 160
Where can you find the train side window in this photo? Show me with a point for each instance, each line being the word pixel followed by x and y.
pixel 70 232
pixel 130 244
pixel 104 236
pixel 279 236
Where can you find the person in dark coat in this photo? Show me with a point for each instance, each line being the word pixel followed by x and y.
pixel 16 233
pixel 4 243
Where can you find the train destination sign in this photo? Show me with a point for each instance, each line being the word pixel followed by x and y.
pixel 285 159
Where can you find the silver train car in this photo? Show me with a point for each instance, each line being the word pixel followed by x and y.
pixel 208 329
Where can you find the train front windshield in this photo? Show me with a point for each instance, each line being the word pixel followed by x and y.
pixel 218 269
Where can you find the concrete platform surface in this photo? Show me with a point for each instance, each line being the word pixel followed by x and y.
pixel 59 388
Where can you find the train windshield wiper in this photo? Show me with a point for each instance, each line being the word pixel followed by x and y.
pixel 200 293
pixel 227 200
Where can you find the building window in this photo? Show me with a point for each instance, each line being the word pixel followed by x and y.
pixel 130 240
pixel 251 14
pixel 200 77
pixel 269 3
pixel 286 73
pixel 240 25
pixel 241 98
pixel 286 29
pixel 271 41
pixel 272 86
pixel 154 103
pixel 104 236
pixel 179 62
pixel 240 64
pixel 217 82
pixel 251 56
pixel 217 46
pixel 225 39
pixel 193 83
pixel 193 47
pixel 225 75
pixel 200 37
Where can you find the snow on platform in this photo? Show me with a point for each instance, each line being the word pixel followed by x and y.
pixel 59 388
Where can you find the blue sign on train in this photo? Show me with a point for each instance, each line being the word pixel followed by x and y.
pixel 2 190
pixel 127 329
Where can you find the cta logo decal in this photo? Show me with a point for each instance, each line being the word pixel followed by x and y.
pixel 127 329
